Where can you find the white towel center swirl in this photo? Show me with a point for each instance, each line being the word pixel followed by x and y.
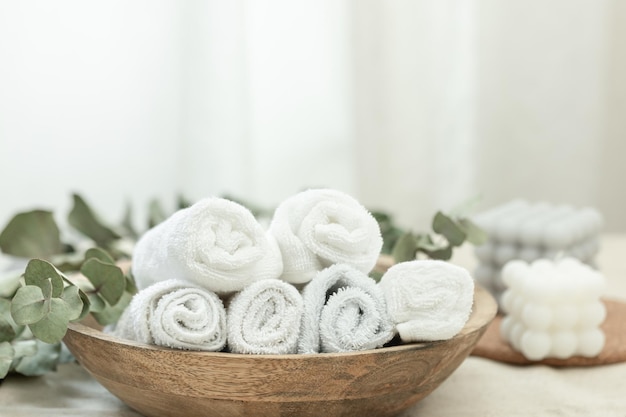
pixel 265 318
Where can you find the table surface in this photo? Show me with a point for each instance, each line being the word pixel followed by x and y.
pixel 478 387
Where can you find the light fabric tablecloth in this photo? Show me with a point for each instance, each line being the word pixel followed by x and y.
pixel 479 387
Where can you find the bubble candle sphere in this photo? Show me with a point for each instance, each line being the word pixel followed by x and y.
pixel 553 308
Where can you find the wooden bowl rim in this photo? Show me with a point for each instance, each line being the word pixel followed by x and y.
pixel 483 312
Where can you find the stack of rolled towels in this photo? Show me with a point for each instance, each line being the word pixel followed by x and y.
pixel 211 278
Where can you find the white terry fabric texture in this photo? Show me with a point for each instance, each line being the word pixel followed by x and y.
pixel 428 299
pixel 216 243
pixel 321 227
pixel 264 318
pixel 175 314
pixel 344 310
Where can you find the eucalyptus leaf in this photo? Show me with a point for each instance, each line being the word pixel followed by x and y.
pixel 85 221
pixel 405 248
pixel 53 326
pixel 131 286
pixel 39 273
pixel 5 318
pixel 445 226
pixel 86 305
pixel 108 280
pixel 425 244
pixel 28 305
pixel 6 358
pixel 384 221
pixel 443 254
pixel 33 234
pixel 111 314
pixel 475 235
pixel 376 275
pixel 67 261
pixel 7 332
pixel 44 360
pixel 156 214
pixel 99 254
pixel 71 296
pixel 127 222
pixel 182 202
pixel 9 282
pixel 96 303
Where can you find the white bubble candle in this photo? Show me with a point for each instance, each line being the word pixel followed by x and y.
pixel 553 308
pixel 530 231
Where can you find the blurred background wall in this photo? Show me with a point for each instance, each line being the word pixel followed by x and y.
pixel 411 106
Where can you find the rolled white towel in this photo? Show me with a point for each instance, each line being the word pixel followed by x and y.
pixel 264 318
pixel 428 300
pixel 344 310
pixel 321 227
pixel 215 243
pixel 175 314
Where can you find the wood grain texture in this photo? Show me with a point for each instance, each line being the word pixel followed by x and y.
pixel 162 382
pixel 493 346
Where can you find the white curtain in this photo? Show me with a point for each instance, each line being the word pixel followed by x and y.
pixel 411 106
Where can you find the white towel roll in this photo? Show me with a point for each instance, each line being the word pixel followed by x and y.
pixel 175 314
pixel 215 243
pixel 428 300
pixel 264 318
pixel 344 310
pixel 321 227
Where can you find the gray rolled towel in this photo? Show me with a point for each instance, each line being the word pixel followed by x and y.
pixel 344 310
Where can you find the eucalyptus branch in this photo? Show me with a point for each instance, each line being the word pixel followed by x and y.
pixel 449 232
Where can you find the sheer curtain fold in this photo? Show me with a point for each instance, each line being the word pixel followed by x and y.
pixel 410 105
pixel 415 82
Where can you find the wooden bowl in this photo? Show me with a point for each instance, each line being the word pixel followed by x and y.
pixel 163 382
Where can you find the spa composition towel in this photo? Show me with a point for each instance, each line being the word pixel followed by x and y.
pixel 428 299
pixel 215 243
pixel 321 227
pixel 264 318
pixel 175 314
pixel 344 310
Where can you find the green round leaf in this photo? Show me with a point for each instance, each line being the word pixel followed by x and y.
pixel 7 332
pixel 97 304
pixel 6 358
pixel 99 254
pixel 447 227
pixel 71 296
pixel 405 248
pixel 109 280
pixel 53 326
pixel 38 272
pixel 86 305
pixel 28 305
pixel 111 314
pixel 85 221
pixel 33 234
